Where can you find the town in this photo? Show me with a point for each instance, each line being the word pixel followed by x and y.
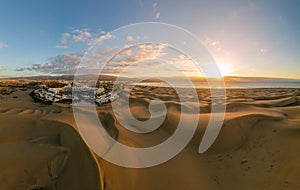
pixel 68 92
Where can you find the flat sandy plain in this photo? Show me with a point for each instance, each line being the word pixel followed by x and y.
pixel 258 146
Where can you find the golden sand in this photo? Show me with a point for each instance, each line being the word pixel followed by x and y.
pixel 257 148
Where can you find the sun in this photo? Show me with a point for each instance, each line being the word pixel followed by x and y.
pixel 224 69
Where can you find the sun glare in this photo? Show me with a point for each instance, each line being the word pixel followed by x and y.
pixel 224 69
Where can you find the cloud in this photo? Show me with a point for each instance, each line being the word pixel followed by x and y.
pixel 150 51
pixel 107 36
pixel 157 15
pixel 154 6
pixel 156 12
pixel 62 47
pixel 65 38
pixel 183 62
pixel 263 50
pixel 3 68
pixel 61 64
pixel 69 63
pixel 140 53
pixel 129 38
pixel 81 36
pixel 215 45
pixel 3 45
pixel 135 38
pixel 139 60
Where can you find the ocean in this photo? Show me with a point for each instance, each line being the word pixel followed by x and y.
pixel 229 85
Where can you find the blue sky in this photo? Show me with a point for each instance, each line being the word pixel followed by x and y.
pixel 247 38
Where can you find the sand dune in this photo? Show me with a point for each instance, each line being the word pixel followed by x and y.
pixel 257 147
pixel 43 154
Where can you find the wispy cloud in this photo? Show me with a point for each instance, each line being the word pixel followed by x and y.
pixel 186 65
pixel 157 15
pixel 3 68
pixel 139 53
pixel 3 45
pixel 129 38
pixel 213 45
pixel 135 38
pixel 81 36
pixel 155 10
pixel 107 36
pixel 263 50
pixel 65 38
pixel 62 47
pixel 154 6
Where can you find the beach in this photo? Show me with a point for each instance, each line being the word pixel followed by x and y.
pixel 257 147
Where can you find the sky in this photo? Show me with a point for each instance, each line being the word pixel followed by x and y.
pixel 246 37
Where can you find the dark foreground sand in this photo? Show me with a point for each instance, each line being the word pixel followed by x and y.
pixel 258 147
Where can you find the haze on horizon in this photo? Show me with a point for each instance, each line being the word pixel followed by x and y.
pixel 247 38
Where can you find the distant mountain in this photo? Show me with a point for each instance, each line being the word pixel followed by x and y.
pixel 43 77
pixel 60 77
pixel 259 79
pixel 227 79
